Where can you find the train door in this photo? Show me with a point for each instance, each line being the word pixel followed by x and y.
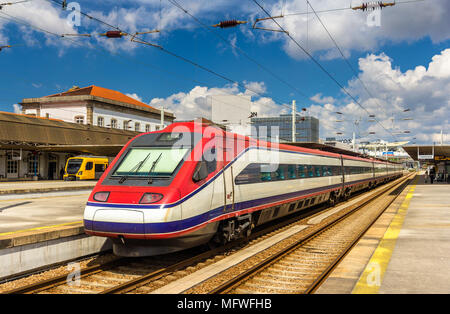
pixel 223 196
pixel 99 169
pixel 89 172
pixel 228 188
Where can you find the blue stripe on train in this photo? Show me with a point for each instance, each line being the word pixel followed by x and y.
pixel 179 225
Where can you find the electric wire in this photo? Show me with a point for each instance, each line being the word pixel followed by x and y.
pixel 345 59
pixel 20 21
pixel 175 3
pixel 319 65
pixel 175 55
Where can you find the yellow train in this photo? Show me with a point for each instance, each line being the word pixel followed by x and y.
pixel 85 168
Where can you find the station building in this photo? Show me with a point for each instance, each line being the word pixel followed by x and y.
pixel 94 105
pixel 92 120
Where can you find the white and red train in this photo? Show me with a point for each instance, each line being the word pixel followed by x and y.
pixel 190 184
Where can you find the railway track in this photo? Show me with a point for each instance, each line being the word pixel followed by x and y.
pixel 302 266
pixel 125 275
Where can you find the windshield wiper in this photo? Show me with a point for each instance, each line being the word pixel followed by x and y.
pixel 135 168
pixel 150 180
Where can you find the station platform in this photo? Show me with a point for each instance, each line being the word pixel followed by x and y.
pixel 24 187
pixel 406 251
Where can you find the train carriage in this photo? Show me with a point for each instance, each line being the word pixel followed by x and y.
pixel 190 184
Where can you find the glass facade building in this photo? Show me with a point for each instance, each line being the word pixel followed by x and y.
pixel 279 129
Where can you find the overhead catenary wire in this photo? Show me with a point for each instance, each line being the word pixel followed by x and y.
pixel 320 65
pixel 175 55
pixel 345 59
pixel 120 57
pixel 175 3
pixel 78 43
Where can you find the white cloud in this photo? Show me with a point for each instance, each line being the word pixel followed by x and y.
pixel 425 90
pixel 322 100
pixel 197 102
pixel 135 96
pixel 17 108
pixel 42 16
pixel 350 29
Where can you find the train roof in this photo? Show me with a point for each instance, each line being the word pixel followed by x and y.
pixel 314 148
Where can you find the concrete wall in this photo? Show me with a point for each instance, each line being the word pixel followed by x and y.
pixel 122 116
pixel 65 112
pixel 29 257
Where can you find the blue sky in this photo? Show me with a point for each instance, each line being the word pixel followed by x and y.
pixel 394 51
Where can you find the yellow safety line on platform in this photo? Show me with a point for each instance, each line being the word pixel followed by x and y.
pixel 41 228
pixel 372 277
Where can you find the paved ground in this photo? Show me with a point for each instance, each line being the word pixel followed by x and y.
pixel 420 262
pixel 20 212
pixel 19 187
pixel 406 251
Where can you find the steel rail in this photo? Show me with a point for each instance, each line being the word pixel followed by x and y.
pixel 147 278
pixel 246 275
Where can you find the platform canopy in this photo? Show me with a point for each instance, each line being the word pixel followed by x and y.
pixel 19 131
pixel 428 152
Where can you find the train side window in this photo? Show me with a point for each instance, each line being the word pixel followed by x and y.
pixel 265 173
pixel 318 171
pixel 89 165
pixel 301 171
pixel 291 172
pixel 99 167
pixel 280 172
pixel 310 170
pixel 251 174
pixel 330 171
pixel 325 171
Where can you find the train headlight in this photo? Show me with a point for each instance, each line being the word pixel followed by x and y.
pixel 101 196
pixel 149 198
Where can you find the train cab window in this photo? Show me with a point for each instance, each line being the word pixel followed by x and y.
pixel 89 165
pixel 291 172
pixel 210 157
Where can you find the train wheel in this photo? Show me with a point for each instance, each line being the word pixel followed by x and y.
pixel 332 200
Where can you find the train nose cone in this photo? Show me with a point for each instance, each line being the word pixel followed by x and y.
pixel 118 221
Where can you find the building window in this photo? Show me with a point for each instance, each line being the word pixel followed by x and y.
pixel 33 164
pixel 147 128
pixel 113 123
pixel 47 115
pixel 79 119
pixel 100 121
pixel 137 127
pixel 157 128
pixel 12 165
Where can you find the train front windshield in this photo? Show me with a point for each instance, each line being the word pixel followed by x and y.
pixel 150 162
pixel 74 165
